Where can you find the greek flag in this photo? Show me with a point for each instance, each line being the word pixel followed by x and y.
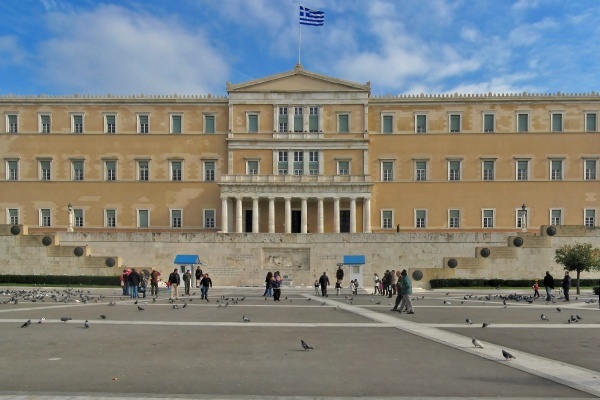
pixel 311 17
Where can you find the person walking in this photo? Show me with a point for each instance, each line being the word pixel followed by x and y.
pixel 154 282
pixel 268 285
pixel 277 286
pixel 187 280
pixel 566 285
pixel 125 280
pixel 143 284
pixel 548 285
pixel 536 289
pixel 406 287
pixel 375 283
pixel 398 292
pixel 134 283
pixel 324 282
pixel 393 280
pixel 206 282
pixel 198 275
pixel 174 281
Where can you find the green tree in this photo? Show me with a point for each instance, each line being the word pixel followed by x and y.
pixel 578 257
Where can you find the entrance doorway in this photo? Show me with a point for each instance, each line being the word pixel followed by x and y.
pixel 248 222
pixel 296 221
pixel 344 221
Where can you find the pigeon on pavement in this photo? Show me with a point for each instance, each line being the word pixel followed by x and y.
pixel 476 343
pixel 140 308
pixel 558 309
pixel 86 324
pixel 508 356
pixel 103 316
pixel 26 324
pixel 544 318
pixel 578 317
pixel 447 302
pixel 485 325
pixel 305 345
pixel 245 319
pixel 42 320
pixel 65 319
pixel 469 321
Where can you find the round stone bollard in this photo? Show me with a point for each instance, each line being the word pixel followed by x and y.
pixel 417 275
pixel 15 230
pixel 78 251
pixel 551 230
pixel 485 252
pixel 110 262
pixel 46 240
pixel 518 241
pixel 452 263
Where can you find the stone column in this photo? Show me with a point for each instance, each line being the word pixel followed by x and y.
pixel 238 214
pixel 352 215
pixel 288 215
pixel 336 214
pixel 367 215
pixel 304 211
pixel 320 216
pixel 255 215
pixel 224 215
pixel 271 214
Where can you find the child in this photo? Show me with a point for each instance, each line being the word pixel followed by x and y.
pixel 338 287
pixel 536 289
pixel 355 287
pixel 317 287
pixel 169 288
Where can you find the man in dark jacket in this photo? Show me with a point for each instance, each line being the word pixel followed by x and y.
pixel 205 282
pixel 548 285
pixel 199 276
pixel 174 280
pixel 324 282
pixel 566 285
pixel 134 283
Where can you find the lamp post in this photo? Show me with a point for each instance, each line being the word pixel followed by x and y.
pixel 523 218
pixel 70 208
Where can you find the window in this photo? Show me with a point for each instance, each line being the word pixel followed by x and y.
pixel 522 122
pixel 489 122
pixel 77 123
pixel 143 218
pixel 176 218
pixel 176 167
pixel 387 219
pixel 591 122
pixel 454 218
pixel 45 218
pixel 283 119
pixel 522 218
pixel 12 123
pixel 522 170
pixel 343 123
pixel 176 123
pixel 45 171
pixel 143 170
pixel 110 123
pixel 590 172
pixel 252 167
pixel 557 122
pixel 209 219
pixel 78 217
pixel 313 119
pixel 455 123
pixel 555 217
pixel 313 163
pixel 110 218
pixel 13 216
pixel 589 218
pixel 298 119
pixel 488 218
pixel 488 170
pixel 421 170
pixel 110 170
pixel 298 165
pixel 454 170
pixel 420 218
pixel 387 171
pixel 44 121
pixel 556 170
pixel 387 123
pixel 143 123
pixel 252 122
pixel 282 163
pixel 343 167
pixel 209 124
pixel 77 171
pixel 421 123
pixel 12 170
pixel 209 171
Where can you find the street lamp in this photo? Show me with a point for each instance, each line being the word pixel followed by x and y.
pixel 523 218
pixel 70 208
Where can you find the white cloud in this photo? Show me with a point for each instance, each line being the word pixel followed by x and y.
pixel 10 52
pixel 114 50
pixel 528 34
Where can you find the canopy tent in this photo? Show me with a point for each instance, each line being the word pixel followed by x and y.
pixel 354 259
pixel 185 259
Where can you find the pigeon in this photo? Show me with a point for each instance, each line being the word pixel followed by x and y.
pixel 573 319
pixel 112 303
pixel 42 320
pixel 103 316
pixel 447 302
pixel 184 305
pixel 141 308
pixel 508 356
pixel 469 321
pixel 154 300
pixel 245 319
pixel 379 302
pixel 504 301
pixel 578 317
pixel 305 345
pixel 86 324
pixel 308 299
pixel 558 309
pixel 544 318
pixel 135 302
pixel 476 343
pixel 485 325
pixel 26 324
pixel 323 303
pixel 65 319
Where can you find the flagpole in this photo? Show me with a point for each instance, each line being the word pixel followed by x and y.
pixel 299 40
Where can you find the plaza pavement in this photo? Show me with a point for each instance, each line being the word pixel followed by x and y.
pixel 361 349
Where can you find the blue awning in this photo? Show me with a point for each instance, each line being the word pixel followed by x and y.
pixel 187 259
pixel 354 260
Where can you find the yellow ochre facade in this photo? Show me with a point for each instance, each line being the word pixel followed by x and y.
pixel 300 152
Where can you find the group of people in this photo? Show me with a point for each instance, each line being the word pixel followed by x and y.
pixel 549 286
pixel 273 285
pixel 203 282
pixel 387 285
pixel 133 283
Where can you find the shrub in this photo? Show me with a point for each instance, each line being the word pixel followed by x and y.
pixel 61 280
pixel 460 282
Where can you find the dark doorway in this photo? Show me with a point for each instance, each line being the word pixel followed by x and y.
pixel 296 221
pixel 344 221
pixel 248 224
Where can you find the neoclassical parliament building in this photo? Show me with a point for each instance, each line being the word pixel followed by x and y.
pixel 300 152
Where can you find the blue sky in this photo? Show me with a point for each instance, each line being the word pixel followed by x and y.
pixel 400 46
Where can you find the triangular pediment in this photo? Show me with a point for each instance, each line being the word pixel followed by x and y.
pixel 298 80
